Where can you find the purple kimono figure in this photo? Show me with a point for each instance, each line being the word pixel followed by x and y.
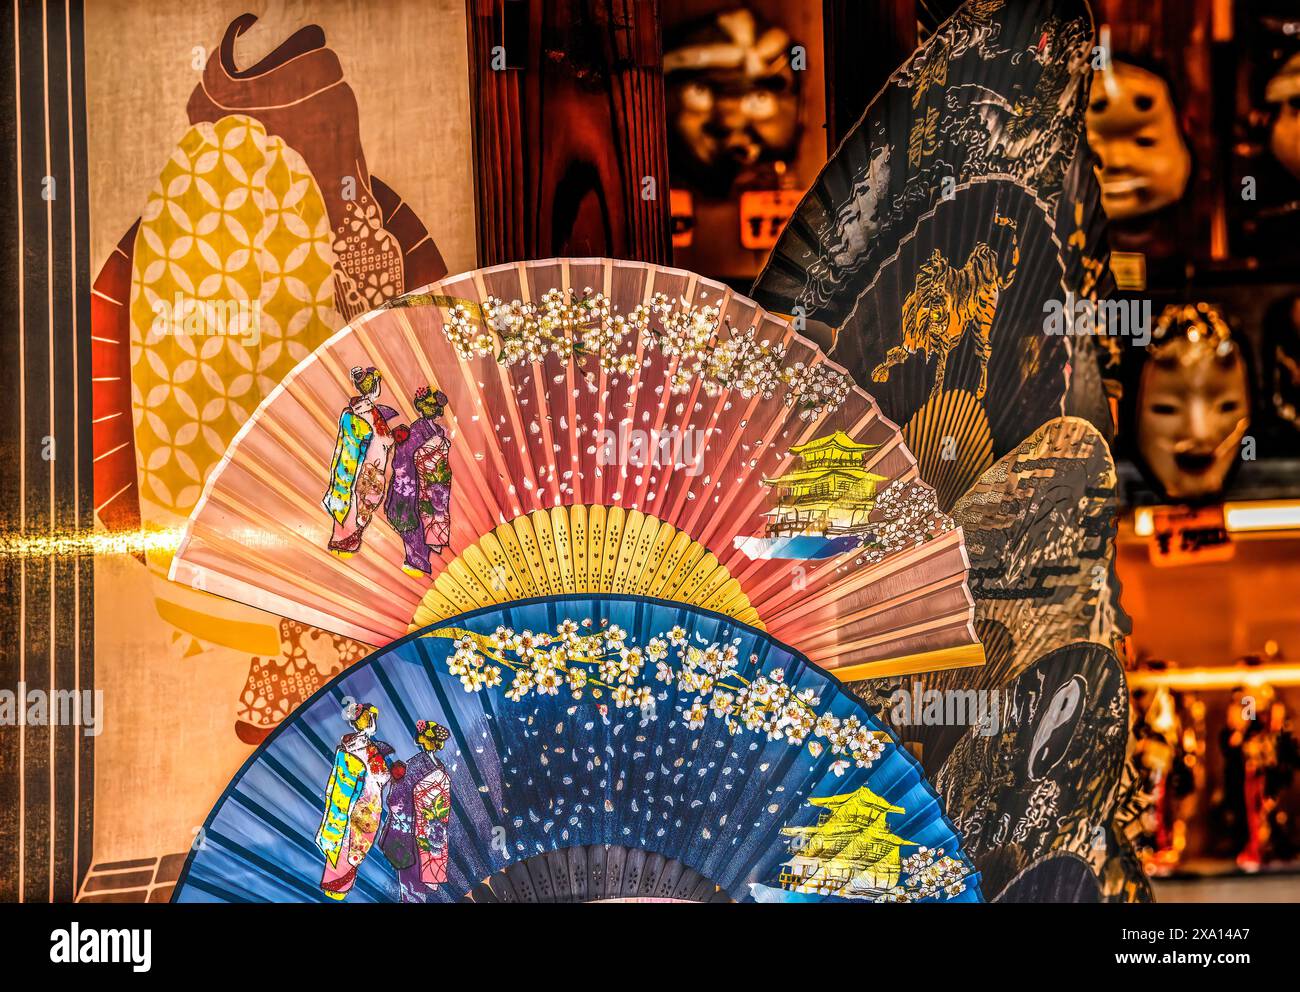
pixel 414 837
pixel 419 499
pixel 361 452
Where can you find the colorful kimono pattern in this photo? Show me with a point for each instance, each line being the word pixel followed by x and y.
pixel 419 502
pixel 414 839
pixel 358 471
pixel 353 806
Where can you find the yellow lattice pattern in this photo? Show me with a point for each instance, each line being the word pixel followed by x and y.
pixel 232 286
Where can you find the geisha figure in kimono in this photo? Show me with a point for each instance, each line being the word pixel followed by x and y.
pixel 354 800
pixel 360 466
pixel 414 839
pixel 419 500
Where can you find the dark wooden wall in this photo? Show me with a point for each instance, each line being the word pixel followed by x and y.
pixel 571 152
pixel 866 40
pixel 47 623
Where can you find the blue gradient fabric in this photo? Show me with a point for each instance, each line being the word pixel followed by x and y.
pixel 548 772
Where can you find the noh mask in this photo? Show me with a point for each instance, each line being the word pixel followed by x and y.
pixel 1133 127
pixel 732 97
pixel 1283 92
pixel 1193 403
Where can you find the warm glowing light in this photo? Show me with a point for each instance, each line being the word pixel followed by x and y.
pixel 71 544
pixel 1263 515
pixel 1255 516
pixel 1216 678
pixel 1144 521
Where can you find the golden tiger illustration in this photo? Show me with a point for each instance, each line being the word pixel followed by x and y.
pixel 946 302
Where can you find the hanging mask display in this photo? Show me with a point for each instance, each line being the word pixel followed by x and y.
pixel 733 99
pixel 1283 93
pixel 1193 403
pixel 1282 358
pixel 1133 128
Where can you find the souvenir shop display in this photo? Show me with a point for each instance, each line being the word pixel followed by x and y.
pixel 590 468
pixel 607 429
pixel 1260 758
pixel 1169 756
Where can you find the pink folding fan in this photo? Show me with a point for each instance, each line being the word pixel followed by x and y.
pixel 580 426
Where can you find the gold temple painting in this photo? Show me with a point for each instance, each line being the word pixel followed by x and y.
pixel 822 505
pixel 850 852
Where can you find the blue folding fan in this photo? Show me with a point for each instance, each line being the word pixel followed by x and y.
pixel 580 747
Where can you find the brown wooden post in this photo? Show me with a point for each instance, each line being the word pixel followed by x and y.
pixel 571 152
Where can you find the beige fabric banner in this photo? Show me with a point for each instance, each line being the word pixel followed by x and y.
pixel 288 171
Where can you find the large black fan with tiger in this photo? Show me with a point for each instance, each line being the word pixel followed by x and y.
pixel 959 212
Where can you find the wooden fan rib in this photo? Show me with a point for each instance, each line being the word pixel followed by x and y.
pixel 496 568
pixel 615 522
pixel 695 578
pixel 945 602
pixel 710 586
pixel 595 545
pixel 491 569
pixel 433 608
pixel 667 575
pixel 563 548
pixel 549 560
pixel 665 537
pixel 863 591
pixel 641 552
pixel 624 578
pixel 578 542
pixel 951 585
pixel 893 568
pixel 526 537
pixel 517 561
pixel 939 637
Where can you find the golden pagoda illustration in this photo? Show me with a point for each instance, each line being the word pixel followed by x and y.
pixel 828 494
pixel 850 853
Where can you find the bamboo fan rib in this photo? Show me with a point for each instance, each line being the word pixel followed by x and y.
pixel 533 555
pixel 950 437
pixel 610 427
pixel 598 873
